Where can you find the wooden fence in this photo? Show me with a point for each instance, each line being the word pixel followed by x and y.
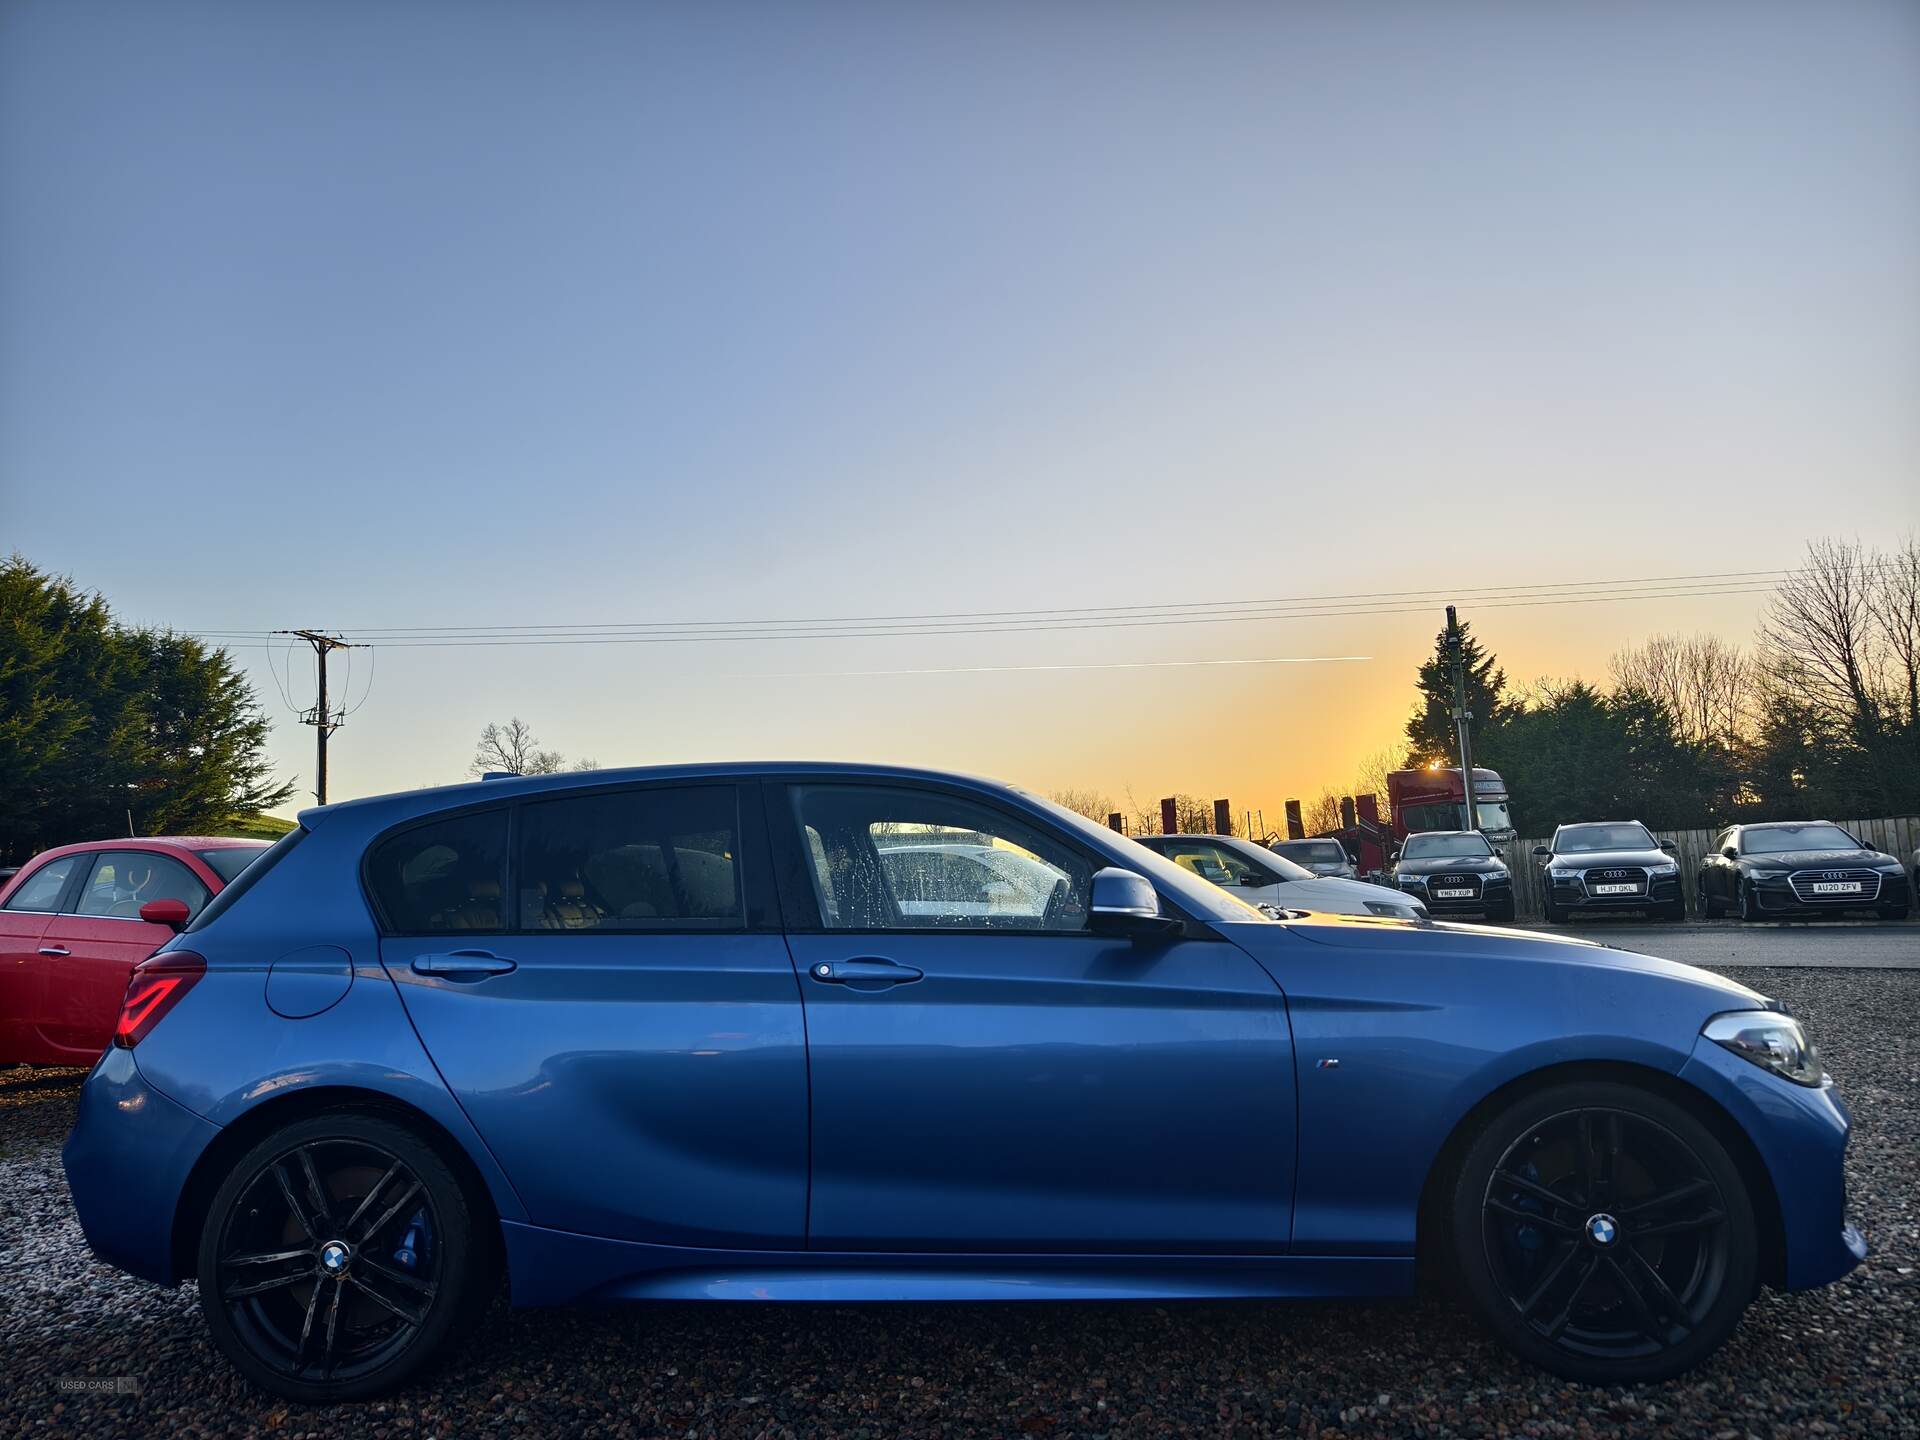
pixel 1898 836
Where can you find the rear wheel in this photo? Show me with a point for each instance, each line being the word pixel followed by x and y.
pixel 338 1257
pixel 1604 1233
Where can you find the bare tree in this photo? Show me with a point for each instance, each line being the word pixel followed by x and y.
pixel 1372 779
pixel 1090 803
pixel 1322 815
pixel 1819 640
pixel 1191 816
pixel 1893 604
pixel 1706 683
pixel 512 749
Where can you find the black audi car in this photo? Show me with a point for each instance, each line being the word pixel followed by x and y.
pixel 1609 865
pixel 1455 872
pixel 1797 868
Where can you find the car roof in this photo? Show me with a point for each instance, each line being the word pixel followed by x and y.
pixel 404 803
pixel 178 844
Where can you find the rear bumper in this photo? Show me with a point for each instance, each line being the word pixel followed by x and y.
pixel 127 1162
pixel 1801 1136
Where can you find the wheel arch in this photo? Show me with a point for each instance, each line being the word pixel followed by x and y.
pixel 263 1119
pixel 1429 1251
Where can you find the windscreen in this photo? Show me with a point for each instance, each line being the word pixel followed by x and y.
pixel 1583 839
pixel 1778 839
pixel 1449 847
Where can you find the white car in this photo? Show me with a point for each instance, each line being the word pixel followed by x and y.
pixel 980 881
pixel 1260 877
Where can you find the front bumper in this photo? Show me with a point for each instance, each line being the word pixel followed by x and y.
pixel 127 1163
pixel 1774 893
pixel 1801 1136
pixel 1494 895
pixel 1661 892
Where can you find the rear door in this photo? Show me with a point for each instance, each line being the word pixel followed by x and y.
pixel 601 979
pixel 92 947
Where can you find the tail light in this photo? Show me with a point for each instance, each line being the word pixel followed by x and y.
pixel 156 986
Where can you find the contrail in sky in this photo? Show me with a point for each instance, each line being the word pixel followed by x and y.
pixel 1025 669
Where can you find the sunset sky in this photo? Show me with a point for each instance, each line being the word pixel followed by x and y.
pixel 423 315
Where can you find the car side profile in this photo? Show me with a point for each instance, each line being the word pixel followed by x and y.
pixel 1262 877
pixel 1609 865
pixel 76 920
pixel 1802 867
pixel 675 1034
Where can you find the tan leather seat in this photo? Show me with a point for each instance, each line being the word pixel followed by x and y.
pixel 571 909
pixel 479 911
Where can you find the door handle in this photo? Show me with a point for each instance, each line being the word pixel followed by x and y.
pixel 867 970
pixel 463 965
pixel 55 950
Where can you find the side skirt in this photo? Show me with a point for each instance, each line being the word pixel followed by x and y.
pixel 554 1267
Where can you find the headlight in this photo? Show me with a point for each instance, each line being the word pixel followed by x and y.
pixel 1564 875
pixel 1410 882
pixel 1669 868
pixel 1496 875
pixel 1773 1042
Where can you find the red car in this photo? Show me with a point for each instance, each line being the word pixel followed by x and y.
pixel 76 920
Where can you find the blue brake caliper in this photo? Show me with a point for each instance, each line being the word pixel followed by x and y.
pixel 415 1246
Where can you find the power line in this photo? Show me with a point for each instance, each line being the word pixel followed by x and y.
pixel 1384 601
pixel 665 635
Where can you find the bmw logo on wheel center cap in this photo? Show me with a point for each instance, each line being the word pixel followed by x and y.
pixel 334 1256
pixel 1603 1229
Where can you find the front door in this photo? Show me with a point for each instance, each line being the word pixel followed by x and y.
pixel 988 1076
pixel 613 1006
pixel 92 948
pixel 23 923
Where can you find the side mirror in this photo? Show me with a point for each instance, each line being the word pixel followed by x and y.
pixel 1542 851
pixel 1669 847
pixel 170 913
pixel 1730 852
pixel 1126 904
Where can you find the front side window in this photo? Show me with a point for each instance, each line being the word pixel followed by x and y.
pixel 42 889
pixel 659 859
pixel 1218 864
pixel 910 859
pixel 443 876
pixel 123 880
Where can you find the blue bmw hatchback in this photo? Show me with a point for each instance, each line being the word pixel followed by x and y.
pixel 805 1032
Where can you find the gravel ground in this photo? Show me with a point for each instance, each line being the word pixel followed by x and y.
pixel 1837 1361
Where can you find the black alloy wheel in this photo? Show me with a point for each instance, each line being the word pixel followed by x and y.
pixel 1749 902
pixel 338 1258
pixel 1604 1233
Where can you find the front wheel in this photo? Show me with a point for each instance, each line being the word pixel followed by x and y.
pixel 1553 913
pixel 337 1258
pixel 1602 1232
pixel 1749 903
pixel 1501 914
pixel 1710 907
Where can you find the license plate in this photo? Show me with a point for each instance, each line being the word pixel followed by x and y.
pixel 1837 887
pixel 1453 894
pixel 1616 889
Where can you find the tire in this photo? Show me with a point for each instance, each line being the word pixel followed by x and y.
pixel 1676 912
pixel 1501 914
pixel 1553 913
pixel 1544 1245
pixel 1893 912
pixel 1709 906
pixel 306 1330
pixel 1749 903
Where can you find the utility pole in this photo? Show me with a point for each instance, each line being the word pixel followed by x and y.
pixel 1462 716
pixel 324 720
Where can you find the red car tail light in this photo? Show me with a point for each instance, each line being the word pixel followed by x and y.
pixel 156 986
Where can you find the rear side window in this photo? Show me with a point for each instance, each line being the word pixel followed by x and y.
pixel 444 876
pixel 41 890
pixel 657 859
